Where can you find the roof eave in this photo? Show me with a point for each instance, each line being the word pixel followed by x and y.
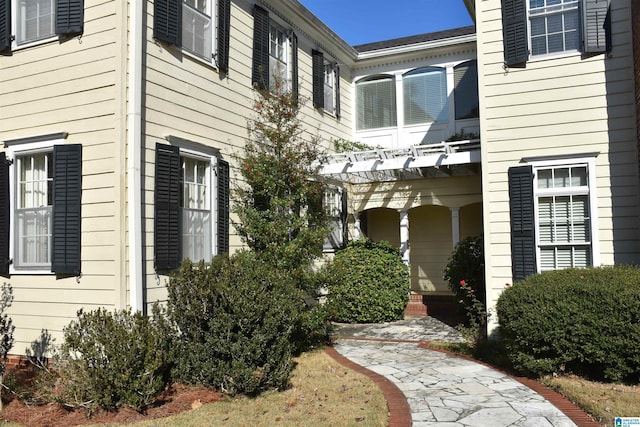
pixel 471 8
pixel 451 41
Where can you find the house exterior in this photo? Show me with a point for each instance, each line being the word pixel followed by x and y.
pixel 559 136
pixel 120 125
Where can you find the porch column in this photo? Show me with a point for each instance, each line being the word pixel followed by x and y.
pixel 455 225
pixel 357 232
pixel 404 236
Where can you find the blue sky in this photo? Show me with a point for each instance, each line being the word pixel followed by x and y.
pixel 365 21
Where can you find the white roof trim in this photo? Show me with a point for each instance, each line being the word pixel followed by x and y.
pixel 398 163
pixel 450 41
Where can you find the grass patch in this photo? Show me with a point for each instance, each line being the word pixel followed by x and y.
pixel 323 393
pixel 604 401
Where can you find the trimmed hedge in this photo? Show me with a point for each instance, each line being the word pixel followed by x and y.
pixel 585 321
pixel 367 283
pixel 236 319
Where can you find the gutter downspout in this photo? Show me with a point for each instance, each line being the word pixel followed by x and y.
pixel 134 150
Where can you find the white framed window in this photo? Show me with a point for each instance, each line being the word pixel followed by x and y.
pixel 376 102
pixel 465 90
pixel 425 96
pixel 197 28
pixel 198 206
pixel 334 205
pixel 278 56
pixel 566 221
pixel 554 26
pixel 31 187
pixel 33 20
pixel 329 88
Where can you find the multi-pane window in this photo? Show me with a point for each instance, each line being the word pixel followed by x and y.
pixel 197 27
pixel 465 90
pixel 195 202
pixel 278 54
pixel 563 216
pixel 334 206
pixel 425 96
pixel 35 20
pixel 554 26
pixel 329 88
pixel 34 200
pixel 376 103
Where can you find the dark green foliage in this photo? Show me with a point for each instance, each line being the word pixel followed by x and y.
pixel 279 205
pixel 236 318
pixel 585 321
pixel 367 283
pixel 467 264
pixel 110 360
pixel 6 324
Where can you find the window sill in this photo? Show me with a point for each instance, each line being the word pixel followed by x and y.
pixel 558 55
pixel 211 64
pixel 16 47
pixel 34 272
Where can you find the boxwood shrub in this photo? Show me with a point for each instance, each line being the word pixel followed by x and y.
pixel 585 321
pixel 367 283
pixel 236 318
pixel 111 360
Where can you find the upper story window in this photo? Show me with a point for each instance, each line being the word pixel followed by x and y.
pixel 555 26
pixel 326 84
pixel 30 21
pixel 376 102
pixel 465 90
pixel 197 26
pixel 543 28
pixel 425 96
pixel 275 55
pixel 35 20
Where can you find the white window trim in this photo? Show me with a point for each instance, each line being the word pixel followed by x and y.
pixel 286 54
pixel 213 195
pixel 13 151
pixel 210 60
pixel 15 4
pixel 329 69
pixel 593 198
pixel 554 55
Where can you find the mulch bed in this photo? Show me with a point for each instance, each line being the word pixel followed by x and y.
pixel 175 399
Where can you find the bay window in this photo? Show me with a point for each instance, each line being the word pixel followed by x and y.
pixel 376 102
pixel 425 96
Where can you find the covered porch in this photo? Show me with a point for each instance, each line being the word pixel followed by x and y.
pixel 423 199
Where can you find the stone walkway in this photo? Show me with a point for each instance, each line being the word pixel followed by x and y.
pixel 445 390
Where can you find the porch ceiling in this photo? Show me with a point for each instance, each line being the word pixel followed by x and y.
pixel 456 158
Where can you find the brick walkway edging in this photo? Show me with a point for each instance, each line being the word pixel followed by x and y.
pixel 399 412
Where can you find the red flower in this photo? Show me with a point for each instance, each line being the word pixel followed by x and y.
pixel 507 284
pixel 462 282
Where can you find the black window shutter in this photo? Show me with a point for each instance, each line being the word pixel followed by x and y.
pixel 343 217
pixel 317 62
pixel 523 245
pixel 224 26
pixel 5 26
pixel 5 211
pixel 167 241
pixel 167 21
pixel 294 64
pixel 514 32
pixel 336 70
pixel 260 71
pixel 69 17
pixel 597 26
pixel 223 206
pixel 66 212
